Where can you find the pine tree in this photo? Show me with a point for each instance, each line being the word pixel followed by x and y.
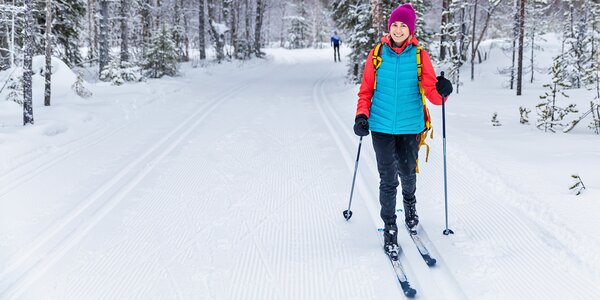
pixel 354 16
pixel 161 58
pixel 535 27
pixel 549 112
pixel 575 48
pixel 66 27
pixel 298 32
pixel 425 36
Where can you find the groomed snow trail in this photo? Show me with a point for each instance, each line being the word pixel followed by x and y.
pixel 232 185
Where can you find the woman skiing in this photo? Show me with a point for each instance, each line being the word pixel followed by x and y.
pixel 397 74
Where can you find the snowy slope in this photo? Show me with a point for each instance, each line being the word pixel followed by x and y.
pixel 229 183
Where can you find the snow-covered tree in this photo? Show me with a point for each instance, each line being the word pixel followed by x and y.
pixel 354 17
pixel 120 72
pixel 217 30
pixel 79 88
pixel 550 114
pixel 15 89
pixel 67 16
pixel 524 112
pixel 161 57
pixel 48 55
pixel 299 28
pixel 421 32
pixel 27 63
pixel 535 27
pixel 104 49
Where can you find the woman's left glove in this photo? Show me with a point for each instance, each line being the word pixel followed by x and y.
pixel 443 86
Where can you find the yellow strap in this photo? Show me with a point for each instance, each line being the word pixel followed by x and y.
pixel 376 62
pixel 428 126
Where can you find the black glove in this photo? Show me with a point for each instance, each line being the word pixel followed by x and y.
pixel 361 125
pixel 443 86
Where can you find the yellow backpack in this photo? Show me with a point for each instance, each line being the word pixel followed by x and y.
pixel 428 127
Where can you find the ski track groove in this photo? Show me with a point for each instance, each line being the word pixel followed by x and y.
pixel 39 163
pixel 42 261
pixel 529 252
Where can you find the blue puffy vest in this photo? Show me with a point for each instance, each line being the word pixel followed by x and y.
pixel 397 105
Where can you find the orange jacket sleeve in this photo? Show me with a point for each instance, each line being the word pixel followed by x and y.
pixel 429 80
pixel 365 94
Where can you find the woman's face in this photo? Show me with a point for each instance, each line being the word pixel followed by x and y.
pixel 399 32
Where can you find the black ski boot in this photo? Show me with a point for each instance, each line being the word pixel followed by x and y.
pixel 410 214
pixel 390 240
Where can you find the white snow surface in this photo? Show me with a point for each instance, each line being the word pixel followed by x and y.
pixel 229 182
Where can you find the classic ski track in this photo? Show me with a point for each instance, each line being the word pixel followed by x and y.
pixel 45 251
pixel 533 252
pixel 39 163
pixel 445 284
pixel 473 219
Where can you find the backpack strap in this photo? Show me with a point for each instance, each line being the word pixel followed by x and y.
pixel 428 126
pixel 376 61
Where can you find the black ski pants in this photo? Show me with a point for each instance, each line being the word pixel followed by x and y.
pixel 396 157
pixel 336 49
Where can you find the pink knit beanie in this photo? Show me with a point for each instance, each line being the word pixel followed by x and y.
pixel 405 14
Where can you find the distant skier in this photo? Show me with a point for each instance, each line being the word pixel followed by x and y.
pixel 391 104
pixel 336 41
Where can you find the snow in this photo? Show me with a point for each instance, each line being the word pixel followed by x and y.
pixel 229 182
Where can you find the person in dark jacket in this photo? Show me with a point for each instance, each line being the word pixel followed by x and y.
pixel 336 41
pixel 392 106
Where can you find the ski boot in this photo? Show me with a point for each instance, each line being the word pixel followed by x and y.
pixel 411 219
pixel 390 241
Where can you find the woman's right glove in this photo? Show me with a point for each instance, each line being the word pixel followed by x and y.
pixel 361 125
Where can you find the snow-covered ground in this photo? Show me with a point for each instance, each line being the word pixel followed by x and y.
pixel 229 182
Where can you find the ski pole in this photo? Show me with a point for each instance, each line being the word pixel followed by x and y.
pixel 447 231
pixel 348 213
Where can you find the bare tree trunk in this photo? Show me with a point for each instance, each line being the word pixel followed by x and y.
pixel 473 49
pixel 514 43
pixel 532 50
pixel 146 24
pixel 521 37
pixel 201 38
pixel 158 18
pixel 260 10
pixel 235 11
pixel 186 40
pixel 103 57
pixel 27 63
pixel 444 31
pixel 124 30
pixel 48 72
pixel 92 50
pixel 248 27
pixel 217 37
pixel 4 42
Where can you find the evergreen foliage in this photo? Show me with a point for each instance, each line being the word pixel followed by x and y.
pixel 578 186
pixel 66 28
pixel 495 121
pixel 550 114
pixel 524 112
pixel 15 86
pixel 120 72
pixel 79 88
pixel 299 29
pixel 161 56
